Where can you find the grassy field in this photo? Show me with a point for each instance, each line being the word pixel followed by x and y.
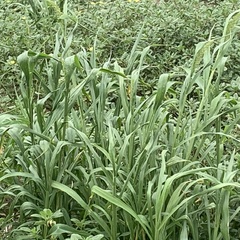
pixel 119 120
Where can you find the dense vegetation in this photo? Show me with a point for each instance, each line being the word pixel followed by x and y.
pixel 119 120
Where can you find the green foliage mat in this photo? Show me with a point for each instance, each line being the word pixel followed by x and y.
pixel 171 29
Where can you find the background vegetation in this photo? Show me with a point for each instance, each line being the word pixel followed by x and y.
pixel 119 120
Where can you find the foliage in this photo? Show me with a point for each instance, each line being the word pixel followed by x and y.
pixel 95 150
pixel 171 29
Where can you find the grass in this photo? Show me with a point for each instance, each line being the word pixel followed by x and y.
pixel 95 150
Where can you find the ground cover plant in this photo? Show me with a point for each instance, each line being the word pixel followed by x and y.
pixel 101 144
pixel 172 29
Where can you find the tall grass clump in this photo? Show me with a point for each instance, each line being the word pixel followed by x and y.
pixel 91 156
